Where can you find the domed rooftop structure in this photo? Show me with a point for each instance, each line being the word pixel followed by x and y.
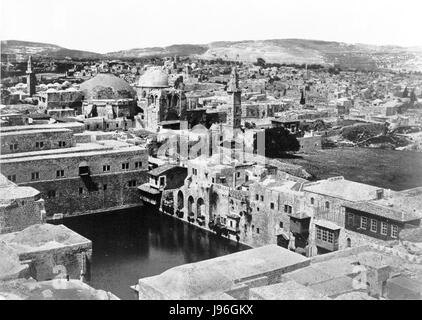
pixel 106 86
pixel 154 78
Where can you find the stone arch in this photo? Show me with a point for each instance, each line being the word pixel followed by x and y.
pixel 180 200
pixel 200 207
pixel 83 168
pixel 191 203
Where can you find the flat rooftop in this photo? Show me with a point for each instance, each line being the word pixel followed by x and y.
pixel 343 189
pixel 218 275
pixel 29 289
pixel 80 147
pixel 43 237
pixel 30 132
pixel 67 125
pixel 79 153
pixel 288 290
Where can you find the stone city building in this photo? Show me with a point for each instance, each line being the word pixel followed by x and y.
pixel 73 176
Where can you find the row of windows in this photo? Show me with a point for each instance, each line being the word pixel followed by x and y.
pixel 257 197
pixel 130 184
pixel 98 126
pixel 38 145
pixel 373 227
pixel 60 173
pixel 326 205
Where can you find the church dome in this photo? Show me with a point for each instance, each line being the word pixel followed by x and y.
pixel 106 86
pixel 154 78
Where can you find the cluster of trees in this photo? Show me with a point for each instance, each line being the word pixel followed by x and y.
pixel 362 131
pixel 410 95
pixel 261 63
pixel 279 141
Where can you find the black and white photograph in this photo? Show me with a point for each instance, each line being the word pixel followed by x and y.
pixel 221 151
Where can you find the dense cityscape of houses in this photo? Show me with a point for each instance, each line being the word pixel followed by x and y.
pixel 189 138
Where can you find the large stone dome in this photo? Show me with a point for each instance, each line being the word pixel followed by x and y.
pixel 154 78
pixel 107 86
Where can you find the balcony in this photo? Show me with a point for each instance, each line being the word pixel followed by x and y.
pixel 300 215
pixel 299 226
pixel 330 246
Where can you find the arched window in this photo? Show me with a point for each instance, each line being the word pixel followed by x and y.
pixel 327 205
pixel 312 200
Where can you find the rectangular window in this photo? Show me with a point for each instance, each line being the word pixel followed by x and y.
pixel 281 224
pixel 330 237
pixel 162 181
pixel 12 177
pixel 350 218
pixel 106 168
pixel 51 194
pixel 262 198
pixel 319 234
pixel 324 235
pixel 138 164
pixel 39 144
pixel 257 197
pixel 272 205
pixel 289 208
pixel 394 231
pixel 132 183
pixel 384 228
pixel 257 230
pixel 104 187
pixel 363 222
pixel 238 174
pixel 373 225
pixel 14 147
pixel 62 143
pixel 35 175
pixel 286 209
pixel 59 173
pixel 125 166
pixel 81 190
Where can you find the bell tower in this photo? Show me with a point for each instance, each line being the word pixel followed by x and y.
pixel 30 78
pixel 234 112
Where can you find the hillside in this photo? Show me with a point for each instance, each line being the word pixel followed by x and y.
pixel 23 49
pixel 177 49
pixel 298 51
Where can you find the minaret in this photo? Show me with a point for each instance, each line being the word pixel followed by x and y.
pixel 234 113
pixel 30 78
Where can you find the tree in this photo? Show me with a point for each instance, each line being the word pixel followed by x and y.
pixel 278 141
pixel 413 96
pixel 405 93
pixel 260 62
pixel 302 98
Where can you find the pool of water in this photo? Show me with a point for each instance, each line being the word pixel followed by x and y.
pixel 141 242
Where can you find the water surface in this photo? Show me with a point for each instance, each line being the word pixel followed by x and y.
pixel 141 242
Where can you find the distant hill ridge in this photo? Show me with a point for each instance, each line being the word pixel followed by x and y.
pixel 297 51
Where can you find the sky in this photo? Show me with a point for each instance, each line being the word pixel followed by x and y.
pixel 105 26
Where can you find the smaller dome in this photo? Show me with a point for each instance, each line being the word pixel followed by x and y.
pixel 154 78
pixel 106 86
